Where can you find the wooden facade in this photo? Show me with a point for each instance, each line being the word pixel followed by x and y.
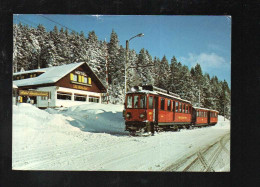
pixel 95 86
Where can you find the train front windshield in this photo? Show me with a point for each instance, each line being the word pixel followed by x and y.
pixel 136 101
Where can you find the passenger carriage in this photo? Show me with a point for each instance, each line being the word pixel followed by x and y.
pixel 204 117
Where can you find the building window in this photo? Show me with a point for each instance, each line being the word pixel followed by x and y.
pixel 169 105
pixel 80 98
pixel 86 80
pixel 162 103
pixel 93 99
pixel 44 98
pixel 75 78
pixel 64 96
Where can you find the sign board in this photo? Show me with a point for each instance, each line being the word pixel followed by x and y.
pixel 80 73
pixel 81 87
pixel 33 93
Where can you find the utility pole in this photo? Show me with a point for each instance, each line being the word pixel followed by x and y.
pixel 126 56
pixel 199 96
pixel 224 111
pixel 107 73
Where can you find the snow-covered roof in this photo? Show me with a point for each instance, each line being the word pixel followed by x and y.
pixel 31 71
pixel 205 109
pixel 143 91
pixel 14 86
pixel 50 75
pixel 158 93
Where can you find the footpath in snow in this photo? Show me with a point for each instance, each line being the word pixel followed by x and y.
pixel 91 137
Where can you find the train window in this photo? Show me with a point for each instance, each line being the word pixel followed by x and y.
pixel 129 101
pixel 180 108
pixel 136 97
pixel 162 103
pixel 186 109
pixel 169 103
pixel 184 106
pixel 176 106
pixel 136 101
pixel 151 102
pixel 173 105
pixel 143 101
pixel 197 113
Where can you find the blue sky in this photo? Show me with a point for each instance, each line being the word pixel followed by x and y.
pixel 191 39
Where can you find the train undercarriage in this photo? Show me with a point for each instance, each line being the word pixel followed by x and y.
pixel 139 128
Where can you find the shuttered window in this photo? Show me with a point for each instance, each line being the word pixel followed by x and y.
pixel 71 77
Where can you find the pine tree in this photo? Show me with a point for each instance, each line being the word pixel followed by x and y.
pixel 164 73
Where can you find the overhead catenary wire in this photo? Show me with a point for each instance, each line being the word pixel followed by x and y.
pixel 57 23
pixel 26 22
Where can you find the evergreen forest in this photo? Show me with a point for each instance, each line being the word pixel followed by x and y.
pixel 37 46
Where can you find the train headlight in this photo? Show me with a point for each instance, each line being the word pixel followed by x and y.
pixel 128 115
pixel 142 115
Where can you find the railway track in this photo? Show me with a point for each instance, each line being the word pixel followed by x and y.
pixel 204 159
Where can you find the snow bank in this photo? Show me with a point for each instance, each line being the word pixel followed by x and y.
pixel 27 115
pixel 223 123
pixel 95 117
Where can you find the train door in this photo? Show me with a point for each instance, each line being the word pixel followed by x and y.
pixel 156 109
pixel 209 117
pixel 151 109
pixel 173 110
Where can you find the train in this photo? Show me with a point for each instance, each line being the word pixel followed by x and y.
pixel 148 109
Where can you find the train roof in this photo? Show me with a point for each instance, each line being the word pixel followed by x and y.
pixel 205 109
pixel 156 91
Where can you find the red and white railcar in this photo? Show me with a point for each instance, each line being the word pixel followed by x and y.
pixel 152 108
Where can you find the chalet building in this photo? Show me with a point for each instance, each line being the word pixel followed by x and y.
pixel 59 86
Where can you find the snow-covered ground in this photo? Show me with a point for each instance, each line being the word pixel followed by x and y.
pixel 92 137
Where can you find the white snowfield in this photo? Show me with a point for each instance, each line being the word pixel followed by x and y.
pixel 91 137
